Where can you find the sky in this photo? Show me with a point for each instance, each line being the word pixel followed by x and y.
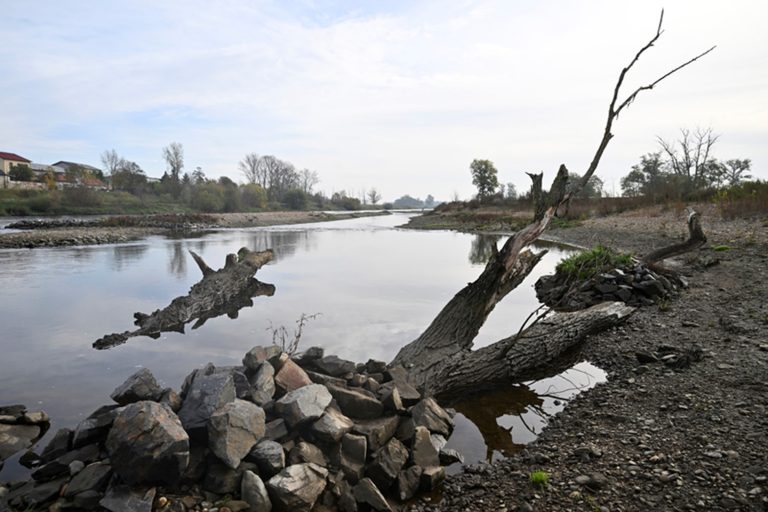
pixel 396 95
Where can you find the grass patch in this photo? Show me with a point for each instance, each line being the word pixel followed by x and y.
pixel 587 264
pixel 539 478
pixel 721 248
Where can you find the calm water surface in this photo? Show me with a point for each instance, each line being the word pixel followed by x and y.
pixel 376 288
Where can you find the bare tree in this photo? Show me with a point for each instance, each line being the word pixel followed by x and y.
pixel 112 161
pixel 249 166
pixel 307 180
pixel 441 359
pixel 173 154
pixel 735 170
pixel 374 196
pixel 692 163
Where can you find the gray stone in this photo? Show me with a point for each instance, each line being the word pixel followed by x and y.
pixel 408 394
pixel 355 403
pixel 222 479
pixel 377 432
pixel 34 494
pixel 297 487
pixel 373 366
pixel 257 355
pixel 76 466
pixel 87 500
pixel 95 427
pixel 14 438
pixel 352 454
pixel 93 477
pixel 387 463
pixel 60 465
pixel 275 429
pixel 334 366
pixel 428 414
pixel 291 377
pixel 268 456
pixel 139 386
pixel 234 429
pixel 254 492
pixel 432 477
pixel 408 483
pixel 171 399
pixel 304 404
pixel 406 430
pixel 263 384
pixel 147 444
pixel 58 445
pixel 122 498
pixel 390 399
pixel 208 369
pixel 423 452
pixel 450 456
pixel 306 452
pixel 205 395
pixel 366 492
pixel 331 426
pixel 320 378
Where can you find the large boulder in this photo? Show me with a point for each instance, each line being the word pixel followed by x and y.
pixel 258 355
pixel 387 463
pixel 93 477
pixel 147 444
pixel 334 366
pixel 304 404
pixel 263 384
pixel 355 403
pixel 254 492
pixel 297 487
pixel 204 396
pixel 368 494
pixel 139 386
pixel 269 456
pixel 377 432
pixel 234 429
pixel 291 376
pixel 331 426
pixel 427 413
pixel 307 452
pixel 96 426
pixel 352 454
pixel 423 451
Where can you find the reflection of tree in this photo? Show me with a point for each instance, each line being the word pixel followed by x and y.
pixel 483 247
pixel 178 262
pixel 283 243
pixel 122 255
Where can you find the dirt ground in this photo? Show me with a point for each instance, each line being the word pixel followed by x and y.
pixel 656 437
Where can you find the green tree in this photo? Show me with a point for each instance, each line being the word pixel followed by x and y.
pixel 253 196
pixel 21 172
pixel 484 177
pixel 173 154
pixel 593 188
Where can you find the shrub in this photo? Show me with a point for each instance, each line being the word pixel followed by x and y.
pixel 587 264
pixel 539 478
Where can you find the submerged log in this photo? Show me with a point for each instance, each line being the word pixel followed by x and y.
pixel 219 292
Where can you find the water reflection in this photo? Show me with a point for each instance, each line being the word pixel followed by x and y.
pixel 283 243
pixel 497 424
pixel 123 255
pixel 482 248
pixel 177 264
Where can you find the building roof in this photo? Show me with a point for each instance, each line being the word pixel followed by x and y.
pixel 66 165
pixel 14 157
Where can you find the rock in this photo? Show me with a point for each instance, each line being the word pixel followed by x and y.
pixel 171 399
pixel 593 481
pixel 147 444
pixel 275 429
pixel 208 369
pixel 222 479
pixel 60 465
pixel 408 394
pixel 311 354
pixel 257 355
pixel 268 456
pixel 93 477
pixel 307 452
pixel 304 404
pixel 366 492
pixel 95 427
pixel 34 494
pixel 139 386
pixel 87 500
pixel 76 466
pixel 355 403
pixel 234 429
pixel 320 378
pixel 263 384
pixel 423 452
pixel 408 483
pixel 334 366
pixel 377 432
pixel 431 478
pixel 651 288
pixel 646 357
pixel 241 382
pixel 253 492
pixel 35 418
pixel 58 445
pixel 14 438
pixel 122 498
pixel 234 506
pixel 373 366
pixel 297 487
pixel 331 426
pixel 387 463
pixel 391 401
pixel 291 377
pixel 352 454
pixel 427 413
pixel 205 395
pixel 406 430
pixel 450 456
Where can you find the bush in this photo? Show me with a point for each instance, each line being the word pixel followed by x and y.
pixel 587 264
pixel 295 200
pixel 253 196
pixel 41 204
pixel 81 196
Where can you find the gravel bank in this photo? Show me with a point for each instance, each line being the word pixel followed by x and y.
pixel 655 437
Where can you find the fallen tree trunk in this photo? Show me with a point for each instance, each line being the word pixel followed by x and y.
pixel 219 292
pixel 696 239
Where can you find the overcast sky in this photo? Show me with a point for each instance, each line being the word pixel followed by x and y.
pixel 398 95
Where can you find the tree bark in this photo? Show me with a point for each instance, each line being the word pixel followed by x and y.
pixel 219 292
pixel 696 239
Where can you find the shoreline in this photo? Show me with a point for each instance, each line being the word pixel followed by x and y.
pixel 80 236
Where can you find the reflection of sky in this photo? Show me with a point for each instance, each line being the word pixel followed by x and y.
pixel 375 287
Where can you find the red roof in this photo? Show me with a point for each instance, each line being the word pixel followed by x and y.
pixel 15 157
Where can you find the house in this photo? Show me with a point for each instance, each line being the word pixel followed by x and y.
pixel 7 160
pixel 91 178
pixel 68 165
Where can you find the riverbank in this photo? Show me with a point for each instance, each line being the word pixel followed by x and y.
pixel 120 229
pixel 656 436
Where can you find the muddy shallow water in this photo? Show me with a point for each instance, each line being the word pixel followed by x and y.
pixel 375 286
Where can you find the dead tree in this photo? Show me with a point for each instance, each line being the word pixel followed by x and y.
pixel 219 292
pixel 441 359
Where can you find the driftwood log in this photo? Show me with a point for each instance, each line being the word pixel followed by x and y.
pixel 219 292
pixel 696 239
pixel 441 360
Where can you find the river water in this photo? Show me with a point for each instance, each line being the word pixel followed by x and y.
pixel 375 287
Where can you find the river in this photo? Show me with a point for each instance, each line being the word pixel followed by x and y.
pixel 375 287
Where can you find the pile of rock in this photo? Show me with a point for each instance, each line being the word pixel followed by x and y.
pixel 20 429
pixel 309 432
pixel 635 285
